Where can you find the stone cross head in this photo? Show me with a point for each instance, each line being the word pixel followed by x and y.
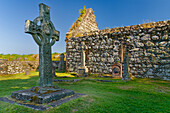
pixel 44 10
pixel 44 33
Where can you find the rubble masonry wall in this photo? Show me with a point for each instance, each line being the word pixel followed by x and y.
pixel 149 55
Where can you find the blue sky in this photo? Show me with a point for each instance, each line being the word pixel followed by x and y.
pixel 109 14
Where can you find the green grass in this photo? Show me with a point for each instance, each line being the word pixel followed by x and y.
pixel 18 76
pixel 137 96
pixel 69 78
pixel 64 74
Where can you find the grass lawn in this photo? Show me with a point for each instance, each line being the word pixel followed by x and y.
pixel 137 96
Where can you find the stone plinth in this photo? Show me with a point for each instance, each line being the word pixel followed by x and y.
pixel 40 98
pixel 82 71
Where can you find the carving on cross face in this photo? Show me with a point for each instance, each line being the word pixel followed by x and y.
pixel 46 30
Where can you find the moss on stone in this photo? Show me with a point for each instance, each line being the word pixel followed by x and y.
pixel 34 98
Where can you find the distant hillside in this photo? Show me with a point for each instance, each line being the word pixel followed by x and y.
pixel 30 57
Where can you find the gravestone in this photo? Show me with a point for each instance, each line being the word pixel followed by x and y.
pixel 61 64
pixel 45 36
pixel 126 75
pixel 54 66
pixel 27 72
pixel 82 70
pixel 117 69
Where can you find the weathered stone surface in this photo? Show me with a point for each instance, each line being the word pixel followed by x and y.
pixel 42 107
pixel 27 72
pixel 15 67
pixel 155 38
pixel 82 69
pixel 126 74
pixel 62 65
pixel 48 35
pixel 28 95
pixel 117 70
pixel 148 47
pixel 87 23
pixel 45 92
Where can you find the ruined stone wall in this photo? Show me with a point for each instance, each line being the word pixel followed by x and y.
pixel 100 53
pixel 83 24
pixel 14 67
pixel 149 50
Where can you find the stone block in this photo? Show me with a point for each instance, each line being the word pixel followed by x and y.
pixel 28 95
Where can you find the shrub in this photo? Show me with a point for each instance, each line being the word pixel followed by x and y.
pixel 80 19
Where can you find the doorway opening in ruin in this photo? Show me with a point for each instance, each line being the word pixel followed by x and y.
pixel 86 57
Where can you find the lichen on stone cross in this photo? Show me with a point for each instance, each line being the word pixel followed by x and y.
pixel 45 36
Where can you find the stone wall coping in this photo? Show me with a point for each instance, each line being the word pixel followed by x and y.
pixel 126 29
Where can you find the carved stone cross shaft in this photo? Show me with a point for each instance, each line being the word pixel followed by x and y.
pixel 45 36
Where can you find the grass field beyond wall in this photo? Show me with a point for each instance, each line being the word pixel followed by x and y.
pixel 137 96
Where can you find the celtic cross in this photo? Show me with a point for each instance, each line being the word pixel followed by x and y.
pixel 45 36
